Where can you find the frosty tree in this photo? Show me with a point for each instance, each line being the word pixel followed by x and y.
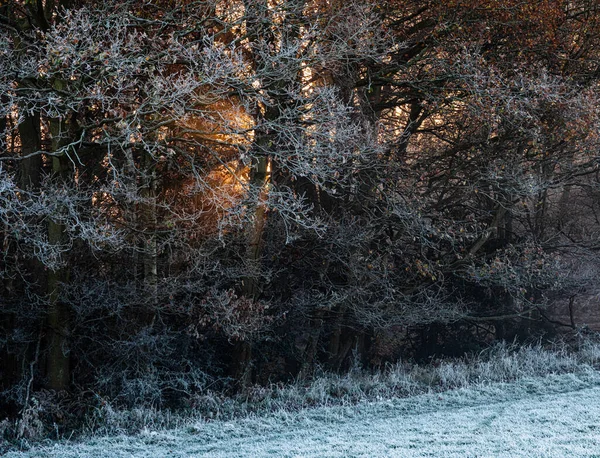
pixel 195 190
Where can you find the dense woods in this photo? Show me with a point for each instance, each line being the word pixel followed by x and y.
pixel 217 194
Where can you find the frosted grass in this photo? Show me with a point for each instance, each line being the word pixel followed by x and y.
pixel 553 416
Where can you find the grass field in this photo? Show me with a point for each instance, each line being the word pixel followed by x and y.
pixel 552 416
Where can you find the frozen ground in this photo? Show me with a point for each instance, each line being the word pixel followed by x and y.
pixel 555 416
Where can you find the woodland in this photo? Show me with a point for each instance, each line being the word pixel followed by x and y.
pixel 219 194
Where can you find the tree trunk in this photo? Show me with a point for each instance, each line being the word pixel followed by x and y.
pixel 58 318
pixel 310 352
pixel 241 364
pixel 30 168
pixel 259 175
pixel 149 220
pixel 258 180
pixel 338 345
pixel 58 366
